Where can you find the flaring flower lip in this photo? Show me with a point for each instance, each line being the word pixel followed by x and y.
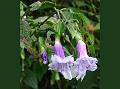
pixel 84 64
pixel 62 65
pixel 58 59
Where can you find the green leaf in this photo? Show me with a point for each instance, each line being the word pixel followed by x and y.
pixel 35 6
pixel 79 3
pixel 66 13
pixel 33 38
pixel 80 16
pixel 30 79
pixel 29 60
pixel 59 27
pixel 44 27
pixel 25 34
pixel 41 5
pixel 42 19
pixel 91 50
pixel 22 45
pixel 39 69
pixel 97 26
pixel 70 14
pixel 57 77
pixel 21 9
pixel 90 44
pixel 49 51
pixel 41 44
pixel 66 51
pixel 49 33
pixel 47 5
pixel 22 52
pixel 72 29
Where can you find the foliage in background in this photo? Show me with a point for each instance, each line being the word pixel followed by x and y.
pixel 42 18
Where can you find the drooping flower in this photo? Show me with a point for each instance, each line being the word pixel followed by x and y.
pixel 44 57
pixel 83 61
pixel 61 63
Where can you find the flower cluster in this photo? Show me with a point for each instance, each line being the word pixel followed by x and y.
pixel 67 66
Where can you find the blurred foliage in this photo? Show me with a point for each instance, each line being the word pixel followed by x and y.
pixel 44 18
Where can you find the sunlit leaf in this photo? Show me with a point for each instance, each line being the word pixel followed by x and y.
pixel 35 6
pixel 21 9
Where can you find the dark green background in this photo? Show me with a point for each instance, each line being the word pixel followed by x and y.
pixel 9 44
pixel 110 44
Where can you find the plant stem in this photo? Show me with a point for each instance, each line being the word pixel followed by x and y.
pixel 58 84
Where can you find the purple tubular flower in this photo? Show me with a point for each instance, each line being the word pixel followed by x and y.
pixel 58 49
pixel 44 57
pixel 81 49
pixel 61 63
pixel 83 62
